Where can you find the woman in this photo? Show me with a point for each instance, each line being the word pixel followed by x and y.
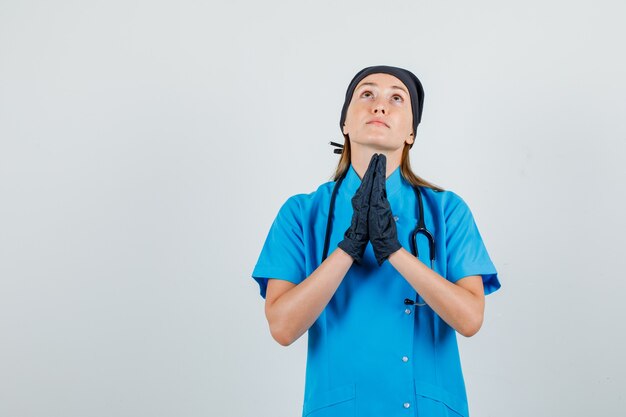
pixel 381 322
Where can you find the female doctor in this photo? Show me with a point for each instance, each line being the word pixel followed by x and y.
pixel 382 309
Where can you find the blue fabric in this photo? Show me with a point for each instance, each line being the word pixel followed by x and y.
pixel 369 354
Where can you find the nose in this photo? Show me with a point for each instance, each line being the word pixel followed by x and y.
pixel 379 107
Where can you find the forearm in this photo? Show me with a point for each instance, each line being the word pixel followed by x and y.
pixel 295 311
pixel 455 305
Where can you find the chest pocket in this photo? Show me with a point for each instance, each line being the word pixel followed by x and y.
pixel 430 407
pixel 337 402
pixel 437 402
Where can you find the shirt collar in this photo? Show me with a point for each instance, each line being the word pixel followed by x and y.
pixel 352 182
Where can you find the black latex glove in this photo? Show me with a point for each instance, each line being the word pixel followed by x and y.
pixel 382 226
pixel 356 236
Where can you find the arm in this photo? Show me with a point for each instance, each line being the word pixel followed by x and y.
pixel 291 309
pixel 460 304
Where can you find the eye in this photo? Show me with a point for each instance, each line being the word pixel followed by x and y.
pixel 394 96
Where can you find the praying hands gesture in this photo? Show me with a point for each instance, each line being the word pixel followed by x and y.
pixel 372 220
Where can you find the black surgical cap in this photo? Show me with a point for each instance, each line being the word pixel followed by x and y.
pixel 412 83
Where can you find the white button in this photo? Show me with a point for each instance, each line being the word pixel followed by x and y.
pixel 407 405
pixel 405 359
pixel 407 311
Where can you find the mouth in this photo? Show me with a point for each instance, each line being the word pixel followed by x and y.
pixel 377 123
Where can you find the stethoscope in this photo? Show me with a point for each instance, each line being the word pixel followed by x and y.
pixel 420 228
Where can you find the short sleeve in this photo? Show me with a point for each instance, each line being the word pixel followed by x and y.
pixel 282 255
pixel 466 251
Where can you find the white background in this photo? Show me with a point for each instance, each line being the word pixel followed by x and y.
pixel 146 147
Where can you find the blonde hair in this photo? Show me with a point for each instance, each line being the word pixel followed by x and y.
pixel 405 167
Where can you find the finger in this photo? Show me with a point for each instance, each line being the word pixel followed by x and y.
pixel 381 172
pixel 381 167
pixel 369 178
pixel 375 195
pixel 366 184
pixel 378 191
pixel 371 169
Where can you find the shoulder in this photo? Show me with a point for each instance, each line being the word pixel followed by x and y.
pixel 301 199
pixel 302 203
pixel 448 201
pixel 451 208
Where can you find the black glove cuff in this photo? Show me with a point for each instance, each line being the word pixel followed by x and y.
pixel 353 249
pixel 384 250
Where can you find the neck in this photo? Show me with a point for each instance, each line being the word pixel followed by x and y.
pixel 360 159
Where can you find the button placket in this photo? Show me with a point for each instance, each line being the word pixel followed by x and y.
pixel 408 348
pixel 405 358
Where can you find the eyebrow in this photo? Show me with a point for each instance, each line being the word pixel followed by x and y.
pixel 393 86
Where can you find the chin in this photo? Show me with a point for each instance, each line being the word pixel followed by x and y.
pixel 373 141
pixel 378 144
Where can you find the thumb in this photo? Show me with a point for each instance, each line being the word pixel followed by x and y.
pixel 378 188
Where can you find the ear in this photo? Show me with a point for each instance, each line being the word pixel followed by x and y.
pixel 411 139
pixel 344 129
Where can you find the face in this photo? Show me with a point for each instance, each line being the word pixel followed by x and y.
pixel 384 97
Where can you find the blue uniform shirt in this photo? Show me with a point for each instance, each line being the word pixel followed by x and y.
pixel 369 354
